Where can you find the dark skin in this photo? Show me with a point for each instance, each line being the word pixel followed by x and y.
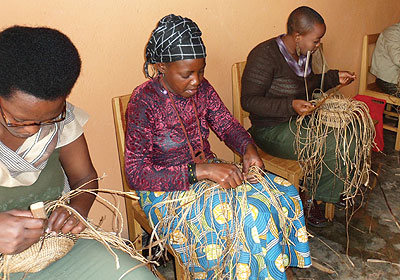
pixel 183 78
pixel 310 41
pixel 18 228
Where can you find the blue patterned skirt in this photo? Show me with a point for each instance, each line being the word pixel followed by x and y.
pixel 252 232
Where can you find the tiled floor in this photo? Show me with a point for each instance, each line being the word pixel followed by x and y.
pixel 374 238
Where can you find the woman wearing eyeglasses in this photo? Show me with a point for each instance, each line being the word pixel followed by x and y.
pixel 43 150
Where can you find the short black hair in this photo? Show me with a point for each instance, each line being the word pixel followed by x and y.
pixel 40 61
pixel 303 19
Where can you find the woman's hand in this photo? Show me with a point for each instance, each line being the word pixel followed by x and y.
pixel 251 158
pixel 346 77
pixel 226 175
pixel 19 230
pixel 302 107
pixel 61 220
pixel 75 160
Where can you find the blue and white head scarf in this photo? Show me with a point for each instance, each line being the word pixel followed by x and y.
pixel 175 38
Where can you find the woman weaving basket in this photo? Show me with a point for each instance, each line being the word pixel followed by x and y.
pixel 220 227
pixel 42 152
pixel 274 92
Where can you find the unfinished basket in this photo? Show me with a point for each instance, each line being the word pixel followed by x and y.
pixel 47 250
pixel 335 113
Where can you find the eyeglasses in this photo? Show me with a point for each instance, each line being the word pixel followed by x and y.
pixel 57 119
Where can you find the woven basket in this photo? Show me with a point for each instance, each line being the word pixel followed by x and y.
pixel 335 113
pixel 47 250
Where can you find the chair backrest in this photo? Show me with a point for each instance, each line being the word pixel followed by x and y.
pixel 119 105
pixel 368 46
pixel 133 209
pixel 237 72
pixel 288 169
pixel 238 112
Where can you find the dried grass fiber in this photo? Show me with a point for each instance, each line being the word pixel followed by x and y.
pixel 52 247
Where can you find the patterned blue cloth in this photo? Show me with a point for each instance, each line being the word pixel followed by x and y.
pixel 232 234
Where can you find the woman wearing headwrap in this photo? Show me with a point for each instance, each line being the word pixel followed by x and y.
pixel 220 231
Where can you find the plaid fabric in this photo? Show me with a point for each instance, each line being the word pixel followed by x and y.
pixel 175 38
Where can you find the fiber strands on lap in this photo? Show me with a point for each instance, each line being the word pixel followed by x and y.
pixel 255 230
pixel 52 247
pixel 353 129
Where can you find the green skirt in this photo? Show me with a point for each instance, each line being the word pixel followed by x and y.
pixel 89 259
pixel 279 141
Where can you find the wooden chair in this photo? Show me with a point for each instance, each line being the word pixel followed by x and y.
pixel 368 87
pixel 285 168
pixel 137 219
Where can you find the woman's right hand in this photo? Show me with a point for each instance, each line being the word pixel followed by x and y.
pixel 346 77
pixel 18 231
pixel 301 107
pixel 225 174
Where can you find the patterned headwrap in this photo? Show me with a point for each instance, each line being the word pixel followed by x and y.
pixel 175 38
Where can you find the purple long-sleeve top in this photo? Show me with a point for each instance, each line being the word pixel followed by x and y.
pixel 157 153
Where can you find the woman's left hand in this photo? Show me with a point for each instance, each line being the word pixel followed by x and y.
pixel 251 158
pixel 61 220
pixel 346 77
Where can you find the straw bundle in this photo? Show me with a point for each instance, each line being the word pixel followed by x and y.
pixel 52 247
pixel 349 121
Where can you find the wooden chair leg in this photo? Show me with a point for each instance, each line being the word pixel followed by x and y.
pixel 397 145
pixel 179 271
pixel 159 275
pixel 296 183
pixel 374 181
pixel 137 232
pixel 329 211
